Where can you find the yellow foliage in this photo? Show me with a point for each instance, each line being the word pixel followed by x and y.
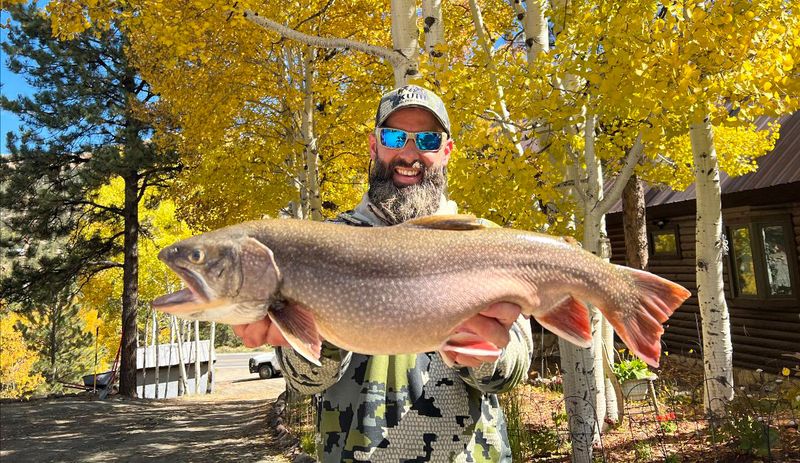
pixel 640 68
pixel 100 297
pixel 16 361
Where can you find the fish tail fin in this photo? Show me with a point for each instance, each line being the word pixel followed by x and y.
pixel 640 329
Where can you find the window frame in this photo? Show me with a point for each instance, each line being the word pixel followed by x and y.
pixel 755 225
pixel 665 229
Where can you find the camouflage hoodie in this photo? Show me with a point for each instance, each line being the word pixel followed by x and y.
pixel 408 408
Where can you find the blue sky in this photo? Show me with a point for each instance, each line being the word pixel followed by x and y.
pixel 13 85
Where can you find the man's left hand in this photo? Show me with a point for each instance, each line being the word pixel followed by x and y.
pixel 492 325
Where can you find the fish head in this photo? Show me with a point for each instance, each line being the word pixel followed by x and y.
pixel 229 279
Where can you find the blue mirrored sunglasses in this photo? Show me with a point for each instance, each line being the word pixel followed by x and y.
pixel 396 139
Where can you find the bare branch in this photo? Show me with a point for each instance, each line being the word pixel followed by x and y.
pixel 633 158
pixel 393 57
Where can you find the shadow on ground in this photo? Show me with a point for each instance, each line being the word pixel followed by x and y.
pixel 87 430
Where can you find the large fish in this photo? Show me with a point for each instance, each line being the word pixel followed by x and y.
pixel 405 288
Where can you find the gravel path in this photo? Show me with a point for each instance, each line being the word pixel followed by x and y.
pixel 229 425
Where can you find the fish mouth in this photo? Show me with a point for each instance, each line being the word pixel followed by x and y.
pixel 193 298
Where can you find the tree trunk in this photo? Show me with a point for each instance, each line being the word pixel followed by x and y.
pixel 404 39
pixel 144 357
pixel 196 357
pixel 717 347
pixel 155 348
pixel 434 27
pixel 501 110
pixel 584 380
pixel 54 340
pixel 534 26
pixel 310 153
pixel 634 216
pixel 211 348
pixel 130 286
pixel 181 365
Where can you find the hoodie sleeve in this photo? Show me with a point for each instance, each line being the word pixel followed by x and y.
pixel 306 378
pixel 512 366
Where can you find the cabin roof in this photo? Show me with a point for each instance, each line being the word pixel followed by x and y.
pixel 780 166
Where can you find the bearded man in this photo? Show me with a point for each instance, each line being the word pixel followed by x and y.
pixel 430 407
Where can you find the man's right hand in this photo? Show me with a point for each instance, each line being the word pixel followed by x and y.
pixel 261 332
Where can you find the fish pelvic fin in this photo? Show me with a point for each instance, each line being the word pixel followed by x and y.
pixel 298 326
pixel 450 222
pixel 640 329
pixel 569 319
pixel 469 344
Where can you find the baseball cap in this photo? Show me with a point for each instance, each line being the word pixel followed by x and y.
pixel 412 96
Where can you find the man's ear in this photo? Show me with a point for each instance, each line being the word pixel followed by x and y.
pixel 373 146
pixel 448 147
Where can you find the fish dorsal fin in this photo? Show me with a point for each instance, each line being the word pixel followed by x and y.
pixel 450 222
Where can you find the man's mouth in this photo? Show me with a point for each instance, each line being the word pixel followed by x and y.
pixel 408 175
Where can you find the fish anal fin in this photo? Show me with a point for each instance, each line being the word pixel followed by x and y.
pixel 569 319
pixel 298 326
pixel 450 222
pixel 640 329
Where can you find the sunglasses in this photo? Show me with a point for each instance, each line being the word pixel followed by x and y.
pixel 396 139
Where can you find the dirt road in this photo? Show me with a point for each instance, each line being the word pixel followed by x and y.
pixel 229 425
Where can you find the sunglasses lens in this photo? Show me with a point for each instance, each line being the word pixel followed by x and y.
pixel 429 141
pixel 392 138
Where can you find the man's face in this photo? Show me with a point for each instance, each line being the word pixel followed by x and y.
pixel 407 183
pixel 410 163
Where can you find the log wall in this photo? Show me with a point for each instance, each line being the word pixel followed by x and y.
pixel 762 330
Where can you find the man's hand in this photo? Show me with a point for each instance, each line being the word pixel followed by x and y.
pixel 261 332
pixel 493 325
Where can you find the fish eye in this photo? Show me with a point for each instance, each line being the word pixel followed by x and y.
pixel 197 256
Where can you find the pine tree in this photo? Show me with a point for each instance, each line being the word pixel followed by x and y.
pixel 86 124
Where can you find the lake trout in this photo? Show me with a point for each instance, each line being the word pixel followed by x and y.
pixel 406 288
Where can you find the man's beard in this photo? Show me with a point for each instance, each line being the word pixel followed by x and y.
pixel 399 204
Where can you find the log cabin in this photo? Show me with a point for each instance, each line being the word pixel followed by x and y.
pixel 761 222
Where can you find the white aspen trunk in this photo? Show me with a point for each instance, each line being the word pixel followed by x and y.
pixel 169 359
pixel 534 26
pixel 405 39
pixel 310 153
pixel 182 389
pixel 433 26
pixel 501 110
pixel 196 357
pixel 584 383
pixel 717 347
pixel 155 348
pixel 144 359
pixel 537 36
pixel 211 349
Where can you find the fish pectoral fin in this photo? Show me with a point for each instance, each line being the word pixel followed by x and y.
pixel 470 344
pixel 298 326
pixel 569 319
pixel 450 222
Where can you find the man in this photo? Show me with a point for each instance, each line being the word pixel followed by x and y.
pixel 409 407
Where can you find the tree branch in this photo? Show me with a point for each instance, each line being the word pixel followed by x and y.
pixel 615 193
pixel 393 57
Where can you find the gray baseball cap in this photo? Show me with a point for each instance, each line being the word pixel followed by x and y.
pixel 412 96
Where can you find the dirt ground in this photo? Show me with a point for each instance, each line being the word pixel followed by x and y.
pixel 229 425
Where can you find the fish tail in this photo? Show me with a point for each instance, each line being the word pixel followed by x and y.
pixel 640 329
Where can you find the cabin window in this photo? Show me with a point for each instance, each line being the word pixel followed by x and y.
pixel 743 262
pixel 762 260
pixel 665 242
